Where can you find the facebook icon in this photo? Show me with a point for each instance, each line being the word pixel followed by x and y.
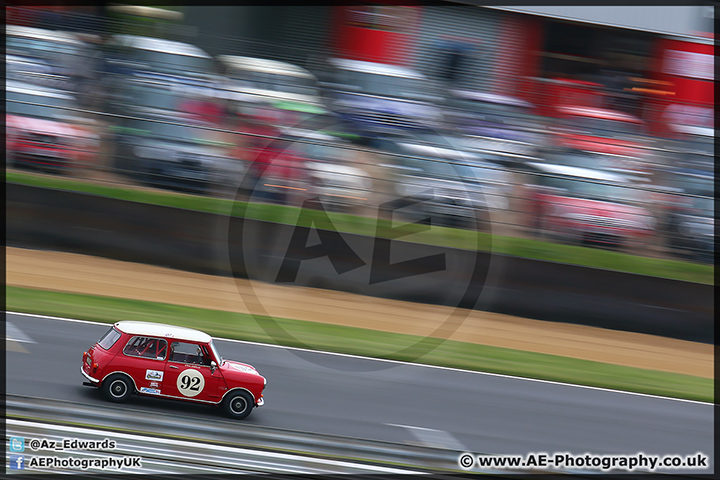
pixel 17 462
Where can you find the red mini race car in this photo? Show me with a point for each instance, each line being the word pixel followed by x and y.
pixel 170 362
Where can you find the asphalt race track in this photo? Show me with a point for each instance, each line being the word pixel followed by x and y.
pixel 365 398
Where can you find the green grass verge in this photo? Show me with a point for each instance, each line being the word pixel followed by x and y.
pixel 441 236
pixel 358 341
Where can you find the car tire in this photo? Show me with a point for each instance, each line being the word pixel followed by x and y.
pixel 117 388
pixel 238 405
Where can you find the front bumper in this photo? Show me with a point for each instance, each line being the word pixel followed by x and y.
pixel 260 402
pixel 94 381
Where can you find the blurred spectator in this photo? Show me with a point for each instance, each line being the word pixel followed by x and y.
pixel 454 58
pixel 621 96
pixel 454 53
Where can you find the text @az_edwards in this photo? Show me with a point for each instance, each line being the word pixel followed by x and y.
pixel 36 444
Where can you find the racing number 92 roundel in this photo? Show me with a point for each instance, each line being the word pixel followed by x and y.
pixel 190 382
pixel 152 359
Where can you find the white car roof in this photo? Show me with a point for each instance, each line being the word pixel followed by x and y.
pixel 162 330
pixel 311 135
pixel 19 31
pixel 693 130
pixel 142 11
pixel 377 68
pixel 242 93
pixel 160 45
pixel 10 58
pixel 580 172
pixel 491 98
pixel 30 89
pixel 264 65
pixel 438 152
pixel 599 113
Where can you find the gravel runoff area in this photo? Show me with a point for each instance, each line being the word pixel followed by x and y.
pixel 67 272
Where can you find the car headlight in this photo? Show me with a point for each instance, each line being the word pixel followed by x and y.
pixel 647 222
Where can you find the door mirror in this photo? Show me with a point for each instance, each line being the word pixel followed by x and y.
pixel 213 365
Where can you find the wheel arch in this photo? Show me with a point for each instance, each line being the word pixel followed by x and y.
pixel 132 380
pixel 235 390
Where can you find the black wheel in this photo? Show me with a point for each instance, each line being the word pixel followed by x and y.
pixel 238 404
pixel 117 388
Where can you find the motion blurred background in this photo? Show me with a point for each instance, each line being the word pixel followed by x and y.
pixel 559 130
pixel 571 125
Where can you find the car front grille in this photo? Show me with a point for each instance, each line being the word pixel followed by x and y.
pixel 43 138
pixel 384 118
pixel 602 221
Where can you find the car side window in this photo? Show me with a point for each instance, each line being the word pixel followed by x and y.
pixel 182 352
pixel 146 347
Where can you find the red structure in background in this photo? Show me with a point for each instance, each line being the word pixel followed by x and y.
pixel 382 33
pixel 686 70
pixel 677 88
pixel 518 71
pixel 17 13
pixel 523 36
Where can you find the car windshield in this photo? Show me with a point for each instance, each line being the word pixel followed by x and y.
pixel 168 131
pixel 166 91
pixel 455 168
pixel 151 96
pixel 698 150
pixel 38 106
pixel 699 143
pixel 62 55
pixel 591 160
pixel 215 353
pixel 35 71
pixel 435 139
pixel 601 127
pixel 326 153
pixel 482 174
pixel 513 115
pixel 275 82
pixel 451 170
pixel 174 63
pixel 703 206
pixel 431 163
pixel 386 85
pixel 592 189
pixel 694 184
pixel 310 120
pixel 451 142
pixel 427 167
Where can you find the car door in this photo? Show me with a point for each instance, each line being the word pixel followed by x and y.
pixel 143 358
pixel 188 374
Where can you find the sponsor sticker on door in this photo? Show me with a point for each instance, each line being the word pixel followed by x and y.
pixel 153 375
